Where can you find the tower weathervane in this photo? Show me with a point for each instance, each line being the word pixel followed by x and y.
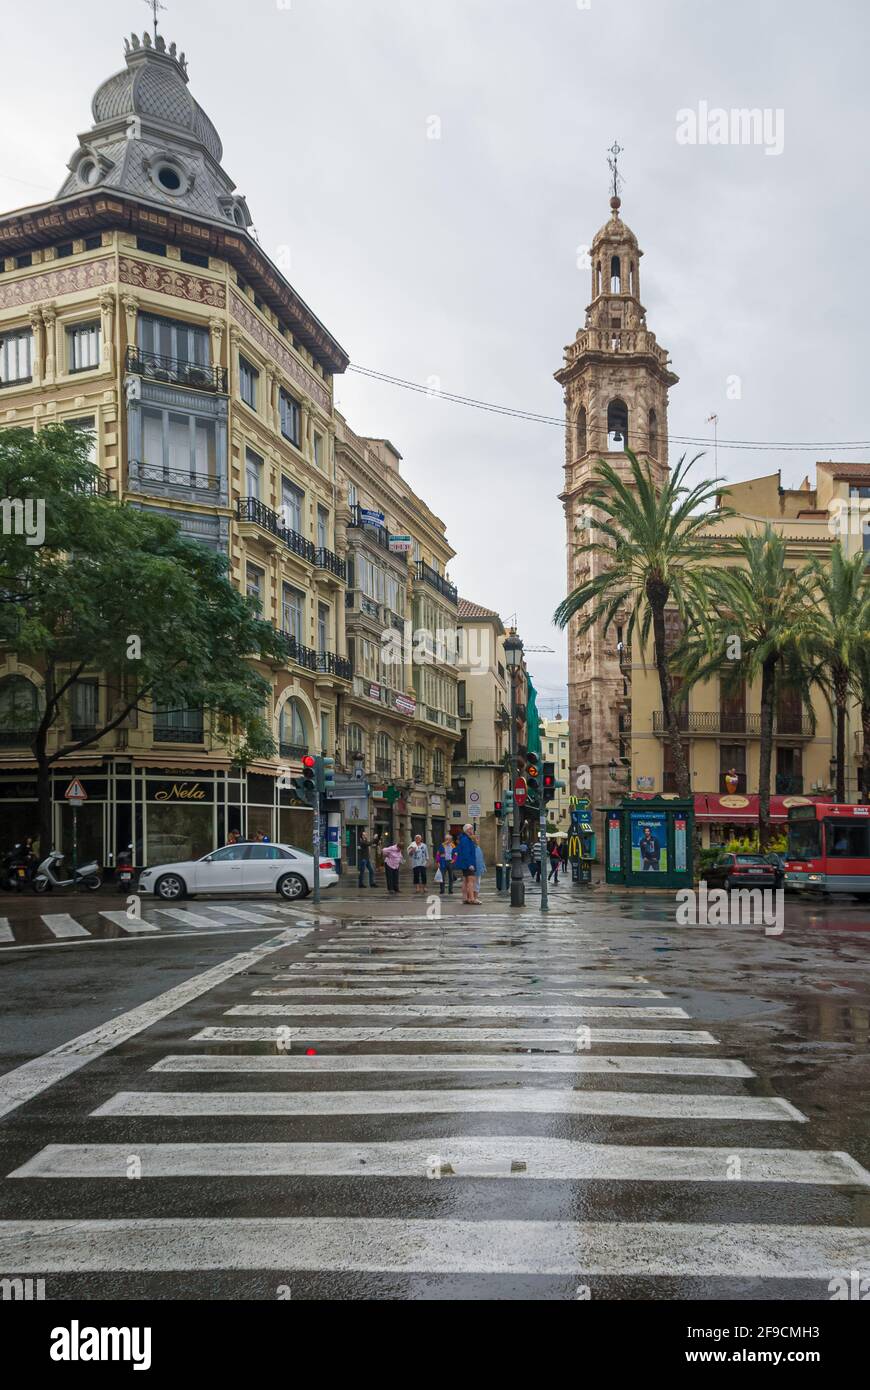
pixel 154 6
pixel 612 162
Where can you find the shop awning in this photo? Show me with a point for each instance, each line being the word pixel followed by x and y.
pixel 737 809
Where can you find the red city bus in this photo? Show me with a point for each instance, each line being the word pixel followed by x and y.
pixel 828 848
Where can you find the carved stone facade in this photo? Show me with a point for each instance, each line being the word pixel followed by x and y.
pixel 616 380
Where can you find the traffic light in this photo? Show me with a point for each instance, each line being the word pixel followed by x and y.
pixel 499 809
pixel 531 775
pixel 326 778
pixel 548 780
pixel 305 786
pixel 508 802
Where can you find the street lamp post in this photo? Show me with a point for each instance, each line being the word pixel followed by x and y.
pixel 513 653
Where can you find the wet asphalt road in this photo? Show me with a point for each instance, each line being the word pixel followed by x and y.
pixel 707 1138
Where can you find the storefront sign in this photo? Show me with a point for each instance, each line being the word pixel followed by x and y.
pixel 404 705
pixel 180 791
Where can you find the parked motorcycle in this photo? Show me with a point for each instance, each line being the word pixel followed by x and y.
pixel 17 868
pixel 124 871
pixel 48 875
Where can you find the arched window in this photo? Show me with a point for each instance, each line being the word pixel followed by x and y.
pixel 19 706
pixel 617 427
pixel 382 753
pixel 598 279
pixel 631 278
pixel 615 276
pixel 420 762
pixel 581 431
pixel 653 435
pixel 291 729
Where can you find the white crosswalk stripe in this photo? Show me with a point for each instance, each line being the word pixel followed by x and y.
pixel 450 1062
pixel 130 924
pixel 434 1102
pixel 386 991
pixel 405 1011
pixel 6 933
pixel 747 1250
pixel 61 925
pixel 528 1158
pixel 652 1037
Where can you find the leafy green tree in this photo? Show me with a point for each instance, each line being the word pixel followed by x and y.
pixel 862 690
pixel 655 547
pixel 767 607
pixel 840 637
pixel 119 591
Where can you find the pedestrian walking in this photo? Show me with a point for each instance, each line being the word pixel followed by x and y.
pixel 393 857
pixel 535 861
pixel 418 854
pixel 563 855
pixel 364 861
pixel 466 862
pixel 446 860
pixel 555 860
pixel 480 870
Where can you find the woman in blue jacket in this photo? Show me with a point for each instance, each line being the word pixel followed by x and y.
pixel 466 863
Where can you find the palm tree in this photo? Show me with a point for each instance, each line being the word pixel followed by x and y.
pixel 841 633
pixel 654 543
pixel 861 676
pixel 766 607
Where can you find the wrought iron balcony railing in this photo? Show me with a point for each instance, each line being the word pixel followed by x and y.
pixel 426 575
pixel 17 738
pixel 176 371
pixel 292 750
pixel 726 722
pixel 178 733
pixel 327 560
pixel 157 476
pixel 332 665
pixel 252 509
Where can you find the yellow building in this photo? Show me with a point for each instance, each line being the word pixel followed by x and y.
pixel 400 716
pixel 138 305
pixel 555 749
pixel 481 760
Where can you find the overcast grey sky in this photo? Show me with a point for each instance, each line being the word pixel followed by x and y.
pixel 456 258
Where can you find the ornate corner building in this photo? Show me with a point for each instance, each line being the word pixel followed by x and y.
pixel 616 379
pixel 137 305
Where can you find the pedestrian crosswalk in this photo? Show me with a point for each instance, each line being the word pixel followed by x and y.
pixel 116 924
pixel 430 1059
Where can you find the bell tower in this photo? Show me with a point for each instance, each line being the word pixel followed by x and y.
pixel 616 379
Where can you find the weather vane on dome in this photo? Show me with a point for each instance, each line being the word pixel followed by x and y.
pixel 612 158
pixel 154 6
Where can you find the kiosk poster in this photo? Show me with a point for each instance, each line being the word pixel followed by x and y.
pixel 649 842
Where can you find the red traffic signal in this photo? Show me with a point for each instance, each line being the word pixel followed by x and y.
pixel 308 762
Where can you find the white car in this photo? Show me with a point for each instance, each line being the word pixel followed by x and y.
pixel 242 868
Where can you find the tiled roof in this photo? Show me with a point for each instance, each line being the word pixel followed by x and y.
pixel 469 610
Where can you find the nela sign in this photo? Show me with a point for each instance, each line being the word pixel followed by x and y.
pixel 180 791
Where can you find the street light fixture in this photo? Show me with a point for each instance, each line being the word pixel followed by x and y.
pixel 513 655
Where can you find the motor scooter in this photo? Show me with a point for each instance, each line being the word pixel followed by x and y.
pixel 17 869
pixel 124 871
pixel 48 875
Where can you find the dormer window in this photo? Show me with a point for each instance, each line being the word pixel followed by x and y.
pixel 168 175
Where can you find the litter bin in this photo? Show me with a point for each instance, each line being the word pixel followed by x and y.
pixel 501 876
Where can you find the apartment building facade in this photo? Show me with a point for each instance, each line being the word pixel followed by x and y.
pixel 137 305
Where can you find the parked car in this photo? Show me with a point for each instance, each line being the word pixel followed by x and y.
pixel 741 871
pixel 242 868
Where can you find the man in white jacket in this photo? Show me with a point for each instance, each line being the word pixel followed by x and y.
pixel 419 857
